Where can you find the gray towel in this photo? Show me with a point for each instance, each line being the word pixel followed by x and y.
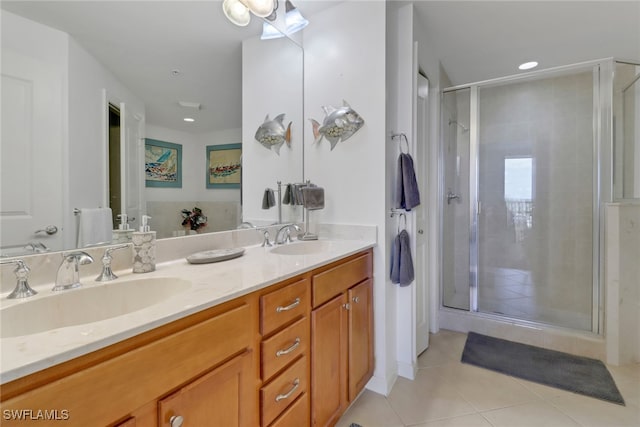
pixel 407 193
pixel 269 199
pixel 313 197
pixel 401 261
pixel 287 199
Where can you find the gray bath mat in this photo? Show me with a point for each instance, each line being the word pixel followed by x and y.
pixel 553 368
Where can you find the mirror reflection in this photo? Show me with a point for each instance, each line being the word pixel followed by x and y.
pixel 85 84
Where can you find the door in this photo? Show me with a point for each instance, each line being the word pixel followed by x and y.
pixel 360 337
pixel 223 397
pixel 329 361
pixel 422 220
pixel 132 165
pixel 31 147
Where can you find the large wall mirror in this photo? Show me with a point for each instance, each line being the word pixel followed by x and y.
pixel 71 70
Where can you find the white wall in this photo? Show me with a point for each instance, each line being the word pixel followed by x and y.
pixel 622 283
pixel 276 89
pixel 345 60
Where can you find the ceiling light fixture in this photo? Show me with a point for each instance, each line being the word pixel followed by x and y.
pixel 270 32
pixel 237 11
pixel 528 65
pixel 294 19
pixel 294 22
pixel 189 119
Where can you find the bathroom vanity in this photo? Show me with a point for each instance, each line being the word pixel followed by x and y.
pixel 288 344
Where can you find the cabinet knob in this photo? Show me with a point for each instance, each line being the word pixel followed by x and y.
pixel 346 306
pixel 356 299
pixel 176 421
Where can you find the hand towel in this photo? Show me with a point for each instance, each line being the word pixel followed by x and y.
pixel 287 199
pixel 401 260
pixel 407 192
pixel 313 198
pixel 269 199
pixel 96 226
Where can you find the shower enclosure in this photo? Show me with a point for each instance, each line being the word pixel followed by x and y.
pixel 524 174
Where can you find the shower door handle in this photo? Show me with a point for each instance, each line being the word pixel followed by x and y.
pixel 452 196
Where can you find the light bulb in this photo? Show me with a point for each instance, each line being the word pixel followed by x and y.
pixel 236 12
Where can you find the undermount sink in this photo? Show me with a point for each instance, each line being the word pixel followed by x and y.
pixel 303 248
pixel 90 303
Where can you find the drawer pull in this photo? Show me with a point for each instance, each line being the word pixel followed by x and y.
pixel 296 384
pixel 288 350
pixel 356 299
pixel 289 307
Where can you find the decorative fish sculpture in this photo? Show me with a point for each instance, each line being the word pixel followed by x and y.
pixel 338 125
pixel 272 133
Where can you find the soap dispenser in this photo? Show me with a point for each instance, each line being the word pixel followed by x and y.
pixel 144 248
pixel 123 233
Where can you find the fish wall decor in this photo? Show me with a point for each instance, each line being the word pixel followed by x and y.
pixel 338 125
pixel 272 133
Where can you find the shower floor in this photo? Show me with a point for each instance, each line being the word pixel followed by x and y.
pixel 514 293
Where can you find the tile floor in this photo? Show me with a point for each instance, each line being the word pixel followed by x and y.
pixel 449 393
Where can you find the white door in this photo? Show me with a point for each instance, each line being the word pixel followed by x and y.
pixel 31 152
pixel 422 220
pixel 132 165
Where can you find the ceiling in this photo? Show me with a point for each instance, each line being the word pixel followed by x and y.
pixel 480 40
pixel 141 42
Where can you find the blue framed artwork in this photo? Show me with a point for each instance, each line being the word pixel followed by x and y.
pixel 224 165
pixel 162 164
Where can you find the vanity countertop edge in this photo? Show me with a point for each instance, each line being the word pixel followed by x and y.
pixel 211 285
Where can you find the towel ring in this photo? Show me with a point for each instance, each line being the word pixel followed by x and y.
pixel 402 136
pixel 403 216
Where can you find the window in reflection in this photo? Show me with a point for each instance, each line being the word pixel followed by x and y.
pixel 518 193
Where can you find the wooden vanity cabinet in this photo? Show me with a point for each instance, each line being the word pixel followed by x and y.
pixel 206 359
pixel 293 354
pixel 341 336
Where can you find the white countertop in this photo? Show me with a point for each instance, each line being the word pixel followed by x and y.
pixel 211 284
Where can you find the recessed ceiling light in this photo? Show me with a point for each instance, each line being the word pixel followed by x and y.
pixel 189 119
pixel 528 65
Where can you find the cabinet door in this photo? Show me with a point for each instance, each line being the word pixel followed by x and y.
pixel 329 361
pixel 360 337
pixel 223 397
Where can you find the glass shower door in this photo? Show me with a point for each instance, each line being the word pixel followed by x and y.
pixel 455 215
pixel 535 185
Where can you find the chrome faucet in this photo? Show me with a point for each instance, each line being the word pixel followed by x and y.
pixel 286 232
pixel 68 276
pixel 22 289
pixel 107 274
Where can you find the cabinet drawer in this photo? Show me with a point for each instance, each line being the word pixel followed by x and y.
pixel 283 390
pixel 338 279
pixel 280 307
pixel 285 346
pixel 296 415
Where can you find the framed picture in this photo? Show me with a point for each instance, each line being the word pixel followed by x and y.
pixel 224 165
pixel 162 164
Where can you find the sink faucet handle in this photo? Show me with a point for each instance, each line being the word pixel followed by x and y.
pixel 107 273
pixel 22 289
pixel 266 241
